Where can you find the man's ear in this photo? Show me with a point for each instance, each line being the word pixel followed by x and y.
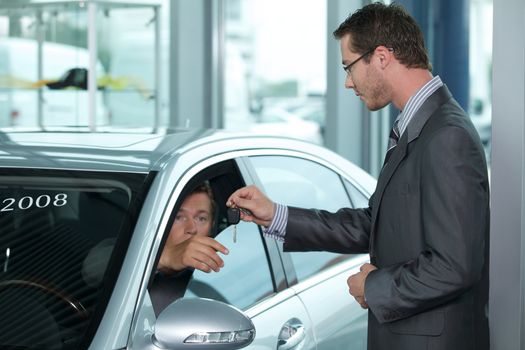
pixel 385 55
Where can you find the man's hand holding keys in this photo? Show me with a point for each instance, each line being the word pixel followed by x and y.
pixel 259 208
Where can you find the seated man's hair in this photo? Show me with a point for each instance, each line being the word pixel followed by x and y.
pixel 206 189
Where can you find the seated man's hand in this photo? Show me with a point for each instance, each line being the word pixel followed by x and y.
pixel 199 252
pixel 250 197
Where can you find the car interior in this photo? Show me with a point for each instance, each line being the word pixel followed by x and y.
pixel 46 238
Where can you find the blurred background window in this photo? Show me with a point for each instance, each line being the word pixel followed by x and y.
pixel 47 50
pixel 275 59
pixel 264 66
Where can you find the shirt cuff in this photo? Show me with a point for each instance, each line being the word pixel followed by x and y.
pixel 277 228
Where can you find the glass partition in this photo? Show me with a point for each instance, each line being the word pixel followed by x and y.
pixel 51 51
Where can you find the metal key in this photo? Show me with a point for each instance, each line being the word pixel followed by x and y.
pixel 234 216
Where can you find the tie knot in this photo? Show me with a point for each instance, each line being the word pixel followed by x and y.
pixel 394 136
pixel 394 133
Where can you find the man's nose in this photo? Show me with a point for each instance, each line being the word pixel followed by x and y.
pixel 349 83
pixel 191 226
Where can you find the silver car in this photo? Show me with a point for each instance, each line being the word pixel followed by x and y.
pixel 83 217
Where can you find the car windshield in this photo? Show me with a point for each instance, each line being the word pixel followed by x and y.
pixel 59 230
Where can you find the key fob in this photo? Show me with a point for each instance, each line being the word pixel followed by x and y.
pixel 233 215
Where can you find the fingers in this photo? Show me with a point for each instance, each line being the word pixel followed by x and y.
pixel 242 193
pixel 215 245
pixel 356 289
pixel 361 301
pixel 262 209
pixel 243 197
pixel 206 261
pixel 356 284
pixel 201 254
pixel 198 252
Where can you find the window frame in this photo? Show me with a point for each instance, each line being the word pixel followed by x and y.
pixel 230 165
pixel 287 263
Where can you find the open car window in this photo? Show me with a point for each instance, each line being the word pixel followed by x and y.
pixel 246 276
pixel 59 231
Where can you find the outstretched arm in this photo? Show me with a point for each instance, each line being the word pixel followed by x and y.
pixel 198 252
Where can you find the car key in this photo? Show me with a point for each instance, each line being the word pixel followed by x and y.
pixel 234 216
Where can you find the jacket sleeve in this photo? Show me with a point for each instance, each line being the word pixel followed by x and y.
pixel 454 199
pixel 347 231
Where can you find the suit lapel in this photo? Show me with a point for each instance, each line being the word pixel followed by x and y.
pixel 384 177
pixel 434 101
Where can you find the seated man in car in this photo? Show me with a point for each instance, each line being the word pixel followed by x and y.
pixel 188 247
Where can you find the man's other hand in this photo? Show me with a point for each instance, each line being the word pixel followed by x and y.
pixel 356 284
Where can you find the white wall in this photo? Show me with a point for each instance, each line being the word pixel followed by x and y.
pixel 507 274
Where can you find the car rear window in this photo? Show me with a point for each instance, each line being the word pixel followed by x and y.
pixel 63 235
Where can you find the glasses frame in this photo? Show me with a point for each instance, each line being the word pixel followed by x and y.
pixel 348 67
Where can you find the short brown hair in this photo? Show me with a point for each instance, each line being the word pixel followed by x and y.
pixel 378 24
pixel 206 189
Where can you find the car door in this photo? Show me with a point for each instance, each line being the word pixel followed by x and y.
pixel 247 282
pixel 252 278
pixel 318 278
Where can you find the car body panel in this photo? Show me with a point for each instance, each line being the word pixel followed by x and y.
pixel 333 311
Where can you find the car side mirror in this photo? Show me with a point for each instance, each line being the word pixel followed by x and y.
pixel 202 324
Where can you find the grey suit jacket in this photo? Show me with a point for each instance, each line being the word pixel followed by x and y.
pixel 427 231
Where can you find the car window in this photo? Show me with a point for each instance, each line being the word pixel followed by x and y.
pixel 245 277
pixel 53 280
pixel 303 183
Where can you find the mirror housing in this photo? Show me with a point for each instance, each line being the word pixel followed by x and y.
pixel 202 324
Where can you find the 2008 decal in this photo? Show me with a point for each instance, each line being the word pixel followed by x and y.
pixel 28 202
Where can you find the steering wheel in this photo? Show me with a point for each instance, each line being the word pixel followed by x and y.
pixel 72 304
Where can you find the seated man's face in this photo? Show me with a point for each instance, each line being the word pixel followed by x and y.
pixel 194 218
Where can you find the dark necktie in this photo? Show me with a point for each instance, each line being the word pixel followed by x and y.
pixel 392 141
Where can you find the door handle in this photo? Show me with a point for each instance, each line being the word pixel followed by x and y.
pixel 292 334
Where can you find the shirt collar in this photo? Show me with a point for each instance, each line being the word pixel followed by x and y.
pixel 415 102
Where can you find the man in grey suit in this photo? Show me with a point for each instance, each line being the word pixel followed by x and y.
pixel 427 225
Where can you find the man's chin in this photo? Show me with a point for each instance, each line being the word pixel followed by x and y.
pixel 372 107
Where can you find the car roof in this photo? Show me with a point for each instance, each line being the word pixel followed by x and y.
pixel 122 151
pixel 105 151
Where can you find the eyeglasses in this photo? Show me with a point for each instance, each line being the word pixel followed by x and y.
pixel 348 67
